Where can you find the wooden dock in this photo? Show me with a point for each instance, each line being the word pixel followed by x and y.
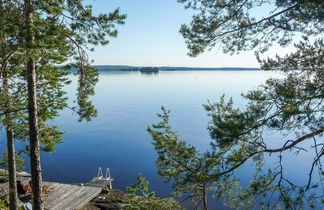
pixel 100 182
pixel 68 196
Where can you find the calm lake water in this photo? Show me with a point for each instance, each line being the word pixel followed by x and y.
pixel 127 103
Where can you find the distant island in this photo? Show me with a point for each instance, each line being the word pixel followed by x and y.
pixel 168 68
pixel 141 69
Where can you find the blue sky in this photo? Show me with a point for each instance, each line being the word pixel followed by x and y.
pixel 150 37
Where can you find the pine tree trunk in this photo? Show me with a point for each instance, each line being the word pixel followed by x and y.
pixel 205 198
pixel 35 163
pixel 11 146
pixel 13 196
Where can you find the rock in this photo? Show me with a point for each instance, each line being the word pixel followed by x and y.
pixel 107 200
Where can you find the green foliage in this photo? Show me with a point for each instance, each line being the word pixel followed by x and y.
pixel 141 198
pixel 39 42
pixel 19 162
pixel 141 188
pixel 190 171
pixel 63 31
pixel 233 26
pixel 292 106
pixel 3 205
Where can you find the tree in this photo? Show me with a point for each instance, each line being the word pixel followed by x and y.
pixel 65 27
pixel 77 30
pixel 34 140
pixel 8 39
pixel 292 106
pixel 141 198
pixel 181 162
pixel 13 92
pixel 4 163
pixel 51 33
pixel 231 24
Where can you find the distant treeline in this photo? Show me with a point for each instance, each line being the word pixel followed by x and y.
pixel 167 68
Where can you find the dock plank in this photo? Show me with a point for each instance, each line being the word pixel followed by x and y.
pixel 65 196
pixel 80 199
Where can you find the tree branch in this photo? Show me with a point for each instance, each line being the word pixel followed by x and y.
pixel 11 111
pixel 290 146
pixel 252 24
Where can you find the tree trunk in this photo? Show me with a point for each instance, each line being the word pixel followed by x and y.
pixel 10 146
pixel 13 196
pixel 35 163
pixel 204 194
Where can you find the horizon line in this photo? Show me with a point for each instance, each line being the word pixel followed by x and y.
pixel 174 66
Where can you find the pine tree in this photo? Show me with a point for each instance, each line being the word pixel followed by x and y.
pixel 70 27
pixel 181 163
pixel 291 106
pixel 7 46
pixel 51 33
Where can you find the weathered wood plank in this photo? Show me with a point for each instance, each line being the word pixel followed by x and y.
pixel 84 201
pixel 57 197
pixel 66 196
pixel 80 199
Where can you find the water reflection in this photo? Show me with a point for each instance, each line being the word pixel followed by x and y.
pixel 149 73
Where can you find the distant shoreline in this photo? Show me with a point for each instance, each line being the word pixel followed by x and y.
pixel 103 68
pixel 155 70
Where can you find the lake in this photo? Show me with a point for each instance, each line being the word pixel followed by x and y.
pixel 127 103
